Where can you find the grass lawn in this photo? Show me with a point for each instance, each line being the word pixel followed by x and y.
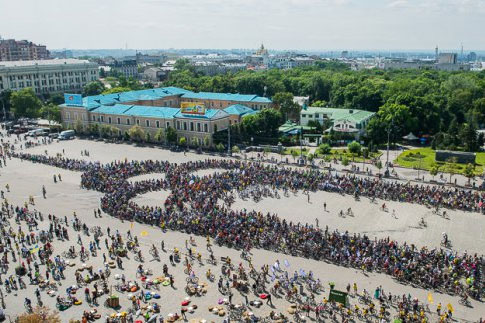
pixel 424 158
pixel 288 151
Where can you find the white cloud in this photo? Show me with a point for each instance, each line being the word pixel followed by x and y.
pixel 281 24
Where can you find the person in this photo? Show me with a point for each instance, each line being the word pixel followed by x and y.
pixel 43 191
pixel 268 300
pixel 325 206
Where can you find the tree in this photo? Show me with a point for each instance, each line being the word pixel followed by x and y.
pixel 5 101
pixel 354 148
pixel 148 138
pixel 294 154
pixel 434 170
pixel 51 112
pixel 194 142
pixel 93 88
pixel 159 136
pixel 284 102
pixel 24 103
pixel 78 127
pixel 469 172
pixel 183 141
pixel 235 150
pixel 104 131
pixel 468 136
pixel 451 166
pixel 324 149
pixel 207 141
pixel 171 135
pixel 40 315
pixel 345 161
pixel 310 157
pixel 379 166
pixel 136 133
pixel 220 147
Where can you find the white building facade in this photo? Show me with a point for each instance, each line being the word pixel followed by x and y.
pixel 48 76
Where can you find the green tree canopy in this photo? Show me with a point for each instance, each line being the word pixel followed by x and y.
pixel 93 88
pixel 24 103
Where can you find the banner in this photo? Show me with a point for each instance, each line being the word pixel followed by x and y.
pixel 73 99
pixel 192 108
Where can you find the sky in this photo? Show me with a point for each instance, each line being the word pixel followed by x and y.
pixel 279 24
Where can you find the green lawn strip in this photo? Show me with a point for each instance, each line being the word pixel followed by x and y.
pixel 424 158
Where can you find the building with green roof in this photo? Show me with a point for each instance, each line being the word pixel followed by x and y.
pixel 159 108
pixel 350 121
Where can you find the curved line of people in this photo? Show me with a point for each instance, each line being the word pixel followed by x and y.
pixel 194 207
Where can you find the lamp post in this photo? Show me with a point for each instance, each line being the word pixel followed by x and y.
pixel 388 139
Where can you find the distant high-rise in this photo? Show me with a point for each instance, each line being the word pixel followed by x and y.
pixel 448 58
pixel 21 50
pixel 436 53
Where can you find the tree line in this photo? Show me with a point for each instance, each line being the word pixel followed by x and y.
pixel 446 106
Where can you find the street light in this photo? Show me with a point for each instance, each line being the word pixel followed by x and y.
pixel 388 138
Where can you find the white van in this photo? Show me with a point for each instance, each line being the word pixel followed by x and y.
pixel 66 135
pixel 37 132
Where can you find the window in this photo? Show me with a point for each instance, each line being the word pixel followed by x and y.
pixel 137 122
pixel 168 124
pixel 102 118
pixel 205 127
pixel 198 127
pixel 109 120
pixel 68 115
pixel 316 115
pixel 191 126
pixel 185 126
pixel 94 118
pixel 178 125
pixel 215 128
pixel 147 122
pixel 128 121
pixel 158 124
pixel 118 120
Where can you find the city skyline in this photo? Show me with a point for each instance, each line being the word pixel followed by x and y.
pixel 313 25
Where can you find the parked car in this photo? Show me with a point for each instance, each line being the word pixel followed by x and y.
pixel 66 135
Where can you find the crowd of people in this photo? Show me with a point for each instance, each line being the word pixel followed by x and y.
pixel 194 206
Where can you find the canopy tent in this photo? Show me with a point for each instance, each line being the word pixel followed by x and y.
pixel 410 137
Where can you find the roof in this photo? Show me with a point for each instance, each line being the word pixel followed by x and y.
pixel 336 114
pixel 148 94
pixel 292 127
pixel 137 110
pixel 44 62
pixel 227 97
pixel 209 114
pixel 239 109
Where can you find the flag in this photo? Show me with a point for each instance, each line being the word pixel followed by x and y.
pixel 144 233
pixel 430 298
pixel 34 249
pixel 450 308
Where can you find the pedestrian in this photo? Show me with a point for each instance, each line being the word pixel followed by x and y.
pixel 171 281
pixel 325 206
pixel 268 300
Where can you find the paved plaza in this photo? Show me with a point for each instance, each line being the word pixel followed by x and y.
pixel 400 222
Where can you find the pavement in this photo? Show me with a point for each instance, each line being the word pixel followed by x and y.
pixel 25 179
